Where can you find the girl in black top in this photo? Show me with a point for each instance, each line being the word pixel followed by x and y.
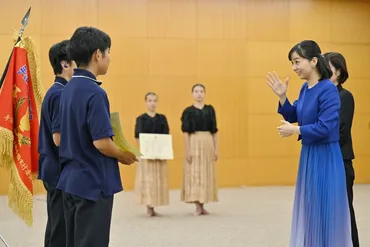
pixel 201 147
pixel 151 185
pixel 340 75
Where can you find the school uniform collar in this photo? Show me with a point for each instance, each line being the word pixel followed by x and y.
pixel 83 73
pixel 60 80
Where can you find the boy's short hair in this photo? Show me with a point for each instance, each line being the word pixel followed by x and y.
pixel 84 42
pixel 57 54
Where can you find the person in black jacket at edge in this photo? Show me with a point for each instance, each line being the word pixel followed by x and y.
pixel 340 74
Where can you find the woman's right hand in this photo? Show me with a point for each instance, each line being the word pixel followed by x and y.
pixel 277 86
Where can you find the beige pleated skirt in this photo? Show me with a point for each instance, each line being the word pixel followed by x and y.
pixel 151 184
pixel 199 177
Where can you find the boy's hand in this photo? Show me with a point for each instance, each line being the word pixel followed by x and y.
pixel 127 158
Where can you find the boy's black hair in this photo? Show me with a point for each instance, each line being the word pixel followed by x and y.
pixel 84 43
pixel 57 54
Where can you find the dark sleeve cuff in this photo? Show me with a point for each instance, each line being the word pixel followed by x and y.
pixel 102 135
pixel 55 130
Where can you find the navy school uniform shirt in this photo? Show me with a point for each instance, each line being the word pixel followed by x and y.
pixel 85 118
pixel 49 167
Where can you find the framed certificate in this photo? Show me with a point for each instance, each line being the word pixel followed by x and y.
pixel 156 146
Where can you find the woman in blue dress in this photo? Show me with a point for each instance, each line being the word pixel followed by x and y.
pixel 320 216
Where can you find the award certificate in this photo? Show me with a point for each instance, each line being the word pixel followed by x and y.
pixel 156 146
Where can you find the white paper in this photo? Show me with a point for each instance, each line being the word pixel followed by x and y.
pixel 156 146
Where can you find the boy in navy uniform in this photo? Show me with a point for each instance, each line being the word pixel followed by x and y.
pixel 49 137
pixel 89 158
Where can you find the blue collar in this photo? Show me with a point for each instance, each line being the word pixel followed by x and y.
pixel 61 80
pixel 85 74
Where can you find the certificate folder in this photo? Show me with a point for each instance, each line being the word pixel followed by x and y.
pixel 118 138
pixel 156 146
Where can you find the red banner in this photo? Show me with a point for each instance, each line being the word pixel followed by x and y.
pixel 19 126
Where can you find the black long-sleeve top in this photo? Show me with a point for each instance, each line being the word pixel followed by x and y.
pixel 151 125
pixel 346 117
pixel 194 119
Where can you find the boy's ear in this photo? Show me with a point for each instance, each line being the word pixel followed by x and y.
pixel 64 64
pixel 98 54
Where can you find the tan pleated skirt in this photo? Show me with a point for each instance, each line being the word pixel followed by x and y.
pixel 199 177
pixel 151 184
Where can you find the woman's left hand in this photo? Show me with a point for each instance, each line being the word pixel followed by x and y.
pixel 287 129
pixel 216 155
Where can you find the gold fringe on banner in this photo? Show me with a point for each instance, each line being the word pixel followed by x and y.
pixel 20 199
pixel 6 148
pixel 38 186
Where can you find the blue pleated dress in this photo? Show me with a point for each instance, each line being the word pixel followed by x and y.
pixel 321 215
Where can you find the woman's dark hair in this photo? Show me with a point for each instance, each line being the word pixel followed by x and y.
pixel 339 63
pixel 198 85
pixel 148 94
pixel 309 49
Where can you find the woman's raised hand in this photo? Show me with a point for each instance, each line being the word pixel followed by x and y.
pixel 280 88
